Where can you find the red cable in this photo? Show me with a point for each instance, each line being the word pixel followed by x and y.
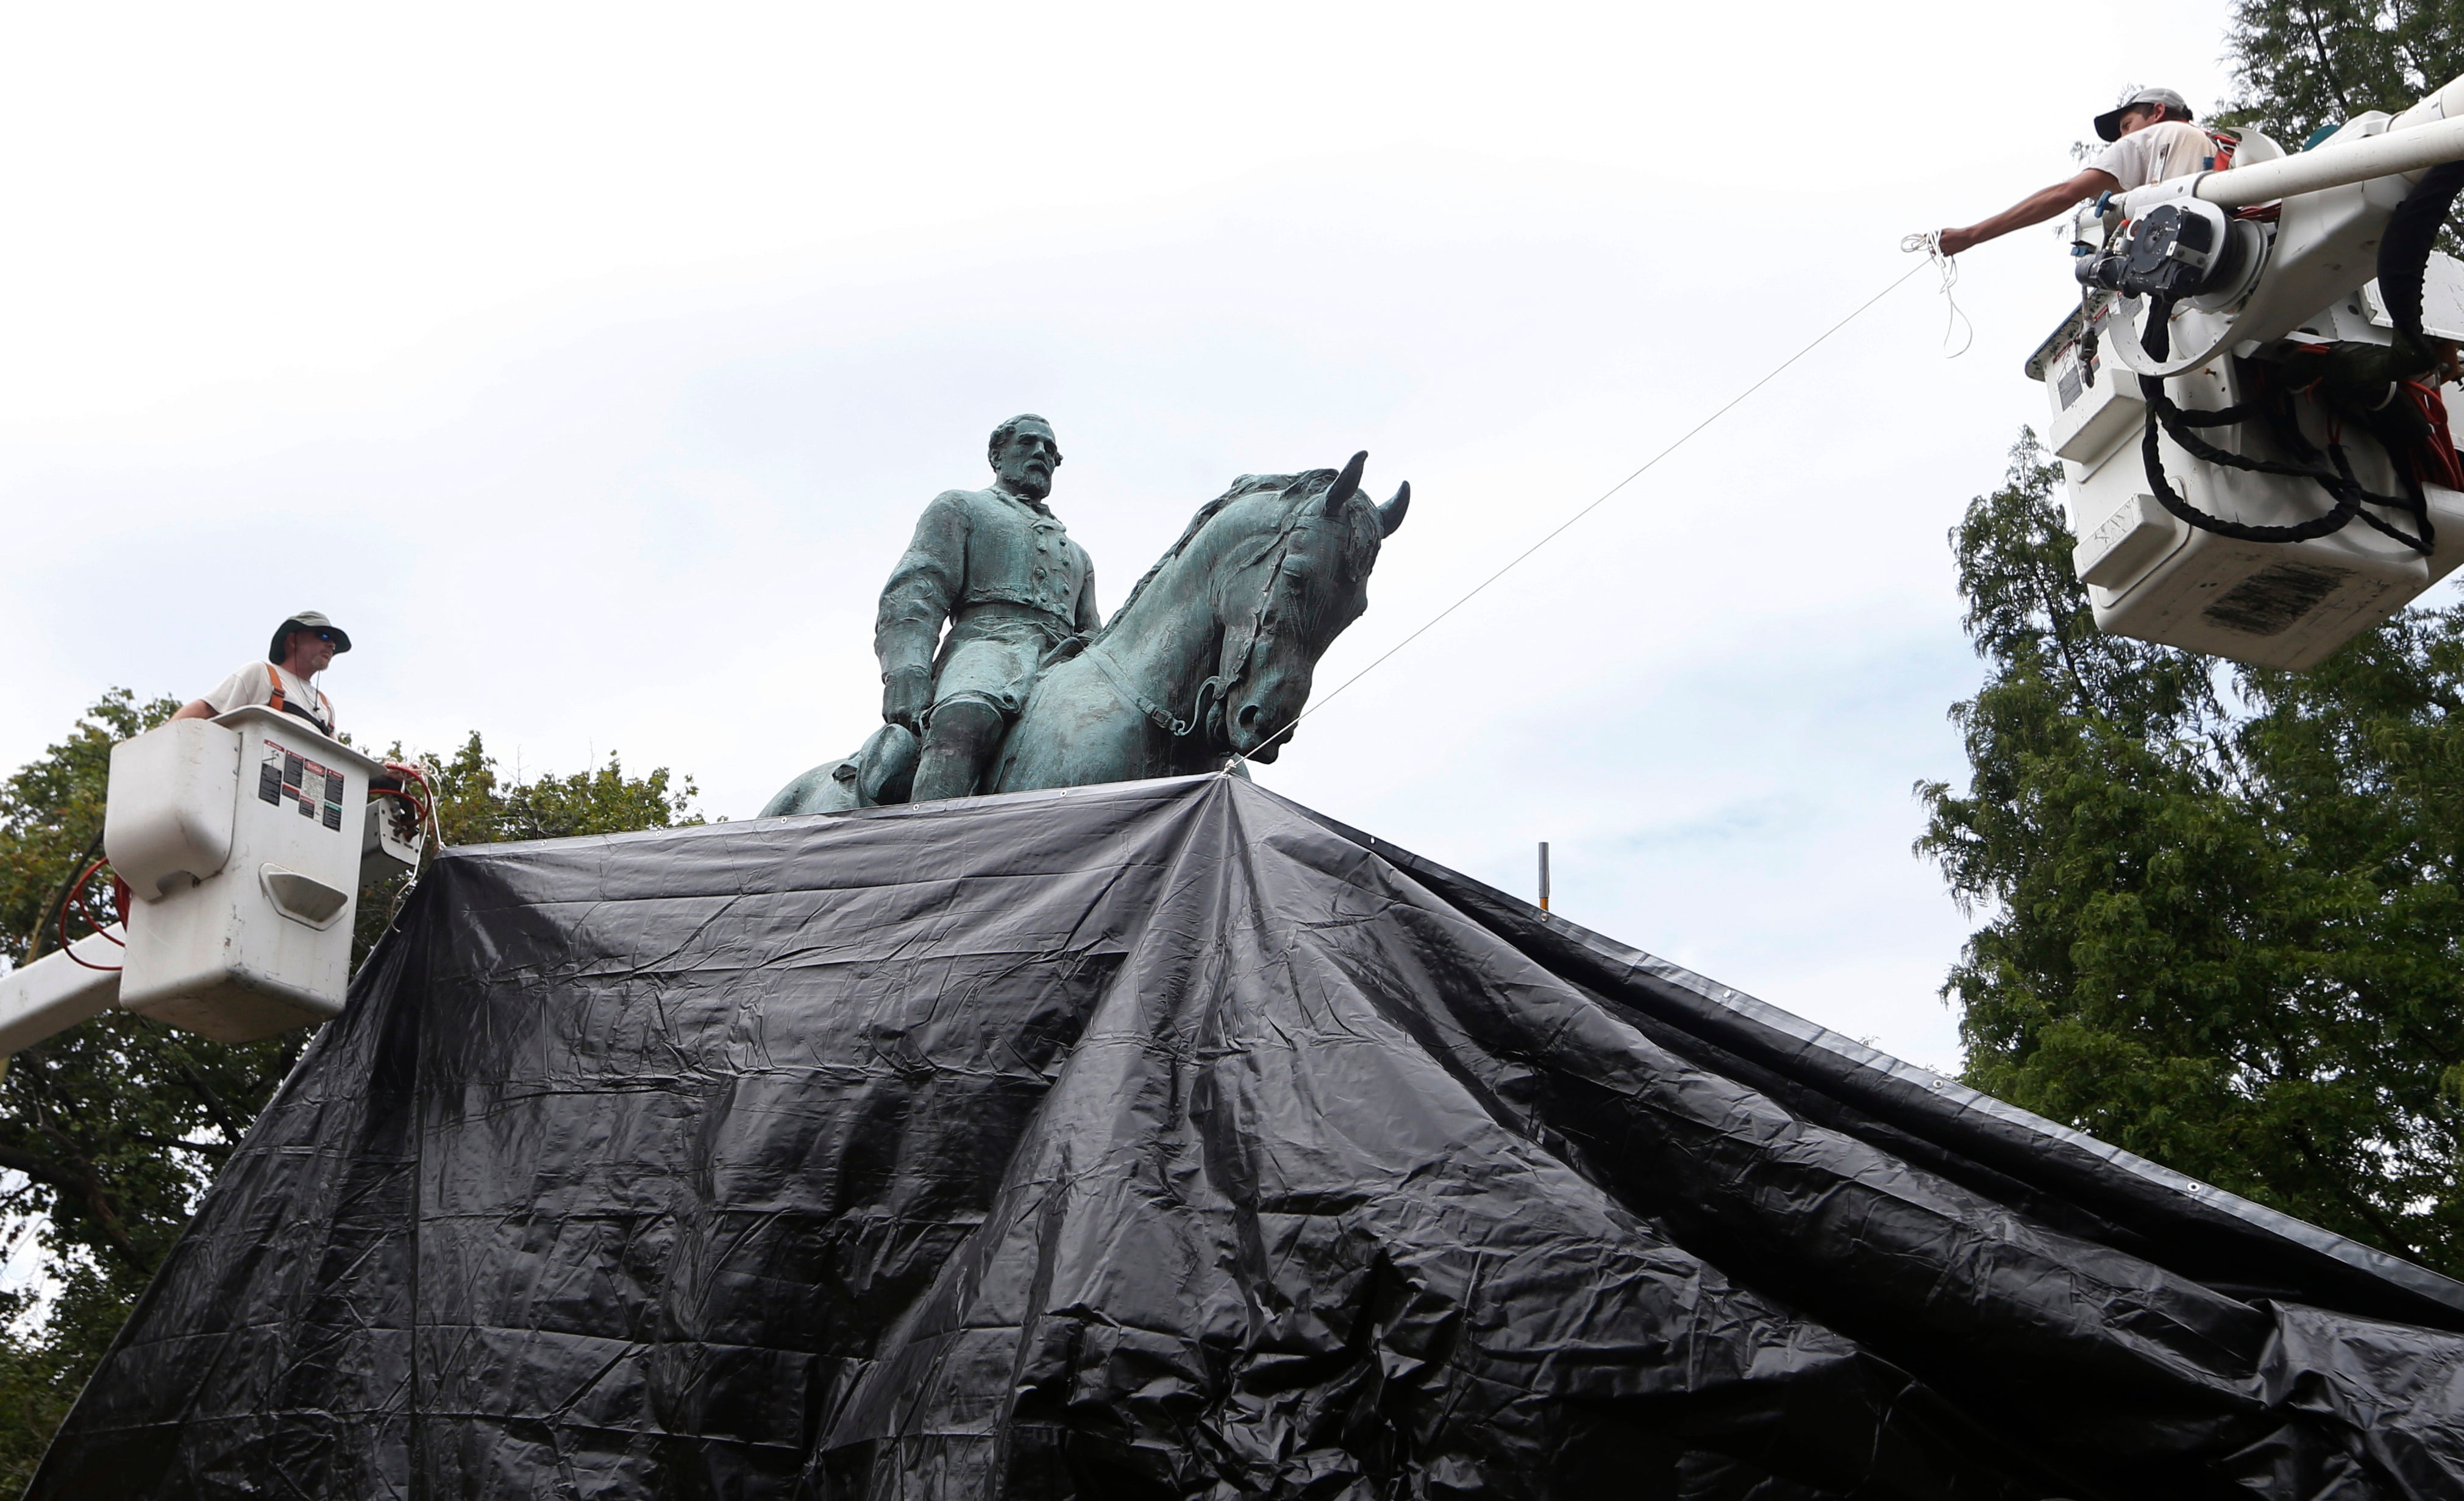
pixel 425 817
pixel 118 885
pixel 428 807
pixel 428 795
pixel 388 792
pixel 421 778
pixel 101 929
pixel 69 948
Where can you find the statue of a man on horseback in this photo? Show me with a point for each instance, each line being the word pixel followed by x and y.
pixel 1000 569
pixel 1207 665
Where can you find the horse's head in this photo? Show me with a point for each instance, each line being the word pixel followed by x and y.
pixel 1285 598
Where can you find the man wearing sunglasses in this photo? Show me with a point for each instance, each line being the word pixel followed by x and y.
pixel 304 645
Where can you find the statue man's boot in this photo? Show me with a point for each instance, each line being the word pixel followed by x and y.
pixel 962 739
pixel 883 771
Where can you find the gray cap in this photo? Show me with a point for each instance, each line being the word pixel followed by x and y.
pixel 2108 125
pixel 311 620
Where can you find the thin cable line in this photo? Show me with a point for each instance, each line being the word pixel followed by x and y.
pixel 1511 563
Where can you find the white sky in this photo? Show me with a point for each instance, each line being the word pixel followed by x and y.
pixel 590 363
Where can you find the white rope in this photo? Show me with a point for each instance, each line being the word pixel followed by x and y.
pixel 1931 242
pixel 1511 563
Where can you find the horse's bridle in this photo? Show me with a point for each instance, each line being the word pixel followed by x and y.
pixel 1219 687
pixel 1211 693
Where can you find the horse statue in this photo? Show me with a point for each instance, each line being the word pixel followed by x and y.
pixel 1210 656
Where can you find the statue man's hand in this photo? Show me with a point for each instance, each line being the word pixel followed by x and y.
pixel 906 693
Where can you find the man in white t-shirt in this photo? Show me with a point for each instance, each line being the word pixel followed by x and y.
pixel 304 645
pixel 2153 138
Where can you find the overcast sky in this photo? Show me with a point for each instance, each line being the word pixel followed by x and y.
pixel 590 364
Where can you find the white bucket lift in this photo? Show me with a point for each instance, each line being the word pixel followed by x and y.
pixel 2202 289
pixel 243 842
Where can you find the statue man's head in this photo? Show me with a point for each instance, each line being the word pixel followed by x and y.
pixel 1024 454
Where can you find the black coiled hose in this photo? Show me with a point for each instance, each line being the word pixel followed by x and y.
pixel 2403 260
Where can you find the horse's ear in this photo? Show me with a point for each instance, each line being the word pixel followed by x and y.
pixel 1346 485
pixel 1390 515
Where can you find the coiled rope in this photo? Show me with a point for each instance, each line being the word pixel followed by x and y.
pixel 1931 242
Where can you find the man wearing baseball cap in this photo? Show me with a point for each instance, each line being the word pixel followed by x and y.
pixel 2153 138
pixel 304 644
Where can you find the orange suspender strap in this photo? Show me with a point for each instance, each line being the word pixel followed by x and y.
pixel 276 677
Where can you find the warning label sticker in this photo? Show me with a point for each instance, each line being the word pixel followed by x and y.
pixel 317 790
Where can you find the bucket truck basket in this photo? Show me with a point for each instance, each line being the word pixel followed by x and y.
pixel 2258 455
pixel 243 841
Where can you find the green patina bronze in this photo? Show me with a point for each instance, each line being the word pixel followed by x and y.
pixel 1209 658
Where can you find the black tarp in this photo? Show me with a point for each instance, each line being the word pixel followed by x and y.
pixel 1169 1139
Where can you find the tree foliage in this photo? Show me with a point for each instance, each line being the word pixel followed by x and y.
pixel 2304 64
pixel 111 1130
pixel 475 806
pixel 2224 922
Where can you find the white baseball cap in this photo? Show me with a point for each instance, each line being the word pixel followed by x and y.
pixel 2108 125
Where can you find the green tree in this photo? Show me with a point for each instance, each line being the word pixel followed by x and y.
pixel 2303 64
pixel 2222 927
pixel 475 806
pixel 110 1131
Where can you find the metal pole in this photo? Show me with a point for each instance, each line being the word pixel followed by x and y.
pixel 55 993
pixel 1544 875
pixel 2403 150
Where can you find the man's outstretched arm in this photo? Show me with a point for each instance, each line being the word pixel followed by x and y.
pixel 2034 208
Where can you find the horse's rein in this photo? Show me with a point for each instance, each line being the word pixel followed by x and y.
pixel 1221 684
pixel 1121 684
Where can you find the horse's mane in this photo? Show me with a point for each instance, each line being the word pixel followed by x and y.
pixel 1307 485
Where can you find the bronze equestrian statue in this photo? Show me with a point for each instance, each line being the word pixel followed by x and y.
pixel 1209 658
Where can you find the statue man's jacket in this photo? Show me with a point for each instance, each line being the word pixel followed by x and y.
pixel 976 547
